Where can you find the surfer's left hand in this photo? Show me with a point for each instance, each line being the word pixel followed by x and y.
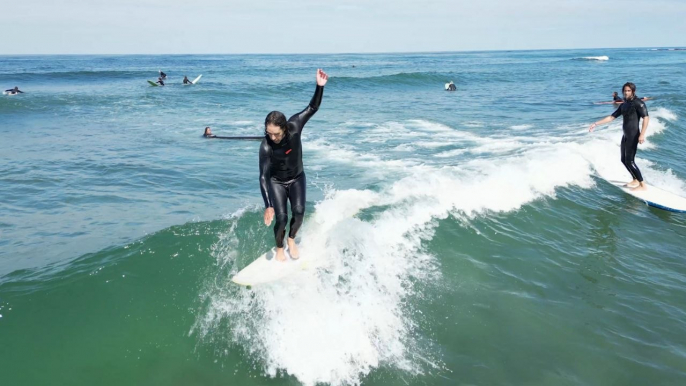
pixel 321 77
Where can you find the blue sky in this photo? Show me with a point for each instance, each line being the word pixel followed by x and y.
pixel 309 26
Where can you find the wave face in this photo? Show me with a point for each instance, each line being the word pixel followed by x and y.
pixel 460 237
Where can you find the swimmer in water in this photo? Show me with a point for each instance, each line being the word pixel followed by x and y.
pixel 14 91
pixel 208 133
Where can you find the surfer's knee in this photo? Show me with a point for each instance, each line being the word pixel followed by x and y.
pixel 298 211
pixel 281 218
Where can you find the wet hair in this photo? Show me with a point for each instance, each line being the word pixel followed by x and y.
pixel 631 86
pixel 276 118
pixel 207 128
pixel 614 93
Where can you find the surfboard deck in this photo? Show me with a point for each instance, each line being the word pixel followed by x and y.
pixel 266 269
pixel 655 197
pixel 196 80
pixel 153 83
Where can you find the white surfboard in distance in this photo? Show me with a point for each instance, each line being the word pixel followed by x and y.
pixel 266 269
pixel 655 197
pixel 197 79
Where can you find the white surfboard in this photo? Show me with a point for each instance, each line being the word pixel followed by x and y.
pixel 266 269
pixel 197 79
pixel 655 197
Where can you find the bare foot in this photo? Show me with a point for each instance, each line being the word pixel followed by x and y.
pixel 280 255
pixel 632 184
pixel 639 188
pixel 293 249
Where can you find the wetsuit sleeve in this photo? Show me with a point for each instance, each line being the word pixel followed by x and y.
pixel 265 171
pixel 641 109
pixel 299 120
pixel 617 112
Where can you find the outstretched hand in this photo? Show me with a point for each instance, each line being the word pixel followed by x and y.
pixel 321 77
pixel 590 129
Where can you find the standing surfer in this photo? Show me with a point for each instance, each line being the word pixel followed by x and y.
pixel 282 176
pixel 632 110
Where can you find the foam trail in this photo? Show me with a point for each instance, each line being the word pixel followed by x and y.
pixel 601 58
pixel 336 324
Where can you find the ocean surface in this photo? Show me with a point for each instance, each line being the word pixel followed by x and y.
pixel 466 238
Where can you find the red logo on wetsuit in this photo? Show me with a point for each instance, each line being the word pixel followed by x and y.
pixel 288 151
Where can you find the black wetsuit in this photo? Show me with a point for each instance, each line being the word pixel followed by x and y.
pixel 281 172
pixel 632 111
pixel 617 98
pixel 452 87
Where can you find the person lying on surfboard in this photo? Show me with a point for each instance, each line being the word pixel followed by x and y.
pixel 160 81
pixel 282 177
pixel 208 133
pixel 14 91
pixel 617 100
pixel 632 110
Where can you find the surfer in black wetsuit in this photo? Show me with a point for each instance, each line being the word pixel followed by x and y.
pixel 186 81
pixel 616 98
pixel 208 133
pixel 14 91
pixel 160 81
pixel 163 75
pixel 282 177
pixel 632 110
pixel 451 86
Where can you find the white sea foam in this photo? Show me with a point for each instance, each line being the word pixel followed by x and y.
pixel 602 58
pixel 336 324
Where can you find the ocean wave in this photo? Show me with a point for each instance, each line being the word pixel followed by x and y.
pixel 598 58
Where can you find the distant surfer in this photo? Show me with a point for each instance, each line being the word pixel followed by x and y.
pixel 616 98
pixel 631 110
pixel 14 91
pixel 163 75
pixel 450 86
pixel 186 81
pixel 208 133
pixel 160 81
pixel 282 176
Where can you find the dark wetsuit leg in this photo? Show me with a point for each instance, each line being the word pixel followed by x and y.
pixel 280 193
pixel 628 149
pixel 297 196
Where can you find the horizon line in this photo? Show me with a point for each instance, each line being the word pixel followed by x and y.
pixel 350 53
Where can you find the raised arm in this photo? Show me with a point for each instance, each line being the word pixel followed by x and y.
pixel 300 119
